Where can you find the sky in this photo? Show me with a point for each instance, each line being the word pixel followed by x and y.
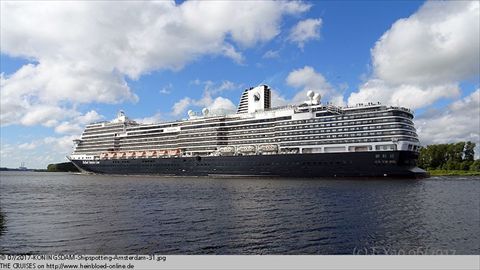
pixel 65 64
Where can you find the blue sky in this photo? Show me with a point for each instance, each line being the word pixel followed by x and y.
pixel 64 65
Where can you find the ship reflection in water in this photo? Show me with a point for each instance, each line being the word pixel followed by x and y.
pixel 93 214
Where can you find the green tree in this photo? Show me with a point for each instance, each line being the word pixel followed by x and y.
pixel 469 152
pixel 453 156
pixel 475 166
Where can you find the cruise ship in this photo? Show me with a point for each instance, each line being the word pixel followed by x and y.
pixel 311 139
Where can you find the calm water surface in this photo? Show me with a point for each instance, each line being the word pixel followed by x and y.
pixel 70 213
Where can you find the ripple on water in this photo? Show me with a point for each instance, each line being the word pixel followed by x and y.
pixel 67 213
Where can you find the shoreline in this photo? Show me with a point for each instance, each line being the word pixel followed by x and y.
pixel 453 173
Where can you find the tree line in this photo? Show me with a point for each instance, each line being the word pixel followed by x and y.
pixel 451 156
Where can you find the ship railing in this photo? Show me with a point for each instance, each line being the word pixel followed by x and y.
pixel 400 108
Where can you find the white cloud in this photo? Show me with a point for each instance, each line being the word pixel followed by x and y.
pixel 27 146
pixel 166 90
pixel 217 105
pixel 304 31
pixel 460 121
pixel 213 88
pixel 438 44
pixel 156 118
pixel 308 79
pixel 277 99
pixel 81 55
pixel 41 88
pixel 422 58
pixel 222 105
pixel 270 54
pixel 37 153
pixel 68 128
pixel 42 114
pixel 88 118
pixel 406 95
pixel 62 145
pixel 181 106
pixel 77 124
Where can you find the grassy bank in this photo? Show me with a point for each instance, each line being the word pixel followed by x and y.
pixel 453 173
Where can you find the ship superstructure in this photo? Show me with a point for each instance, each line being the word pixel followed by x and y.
pixel 309 137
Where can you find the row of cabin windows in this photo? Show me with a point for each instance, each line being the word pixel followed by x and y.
pixel 106 136
pixel 155 134
pixel 324 138
pixel 323 119
pixel 255 127
pixel 90 144
pixel 103 140
pixel 405 126
pixel 247 122
pixel 189 147
pixel 119 128
pixel 149 127
pixel 366 115
pixel 343 135
pixel 131 133
pixel 345 141
pixel 106 127
pixel 348 123
pixel 113 130
pixel 174 139
pixel 147 139
pixel 301 124
pixel 291 136
pixel 312 140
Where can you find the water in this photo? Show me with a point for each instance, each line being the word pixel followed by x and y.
pixel 69 213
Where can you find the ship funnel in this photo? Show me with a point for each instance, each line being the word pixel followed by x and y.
pixel 255 99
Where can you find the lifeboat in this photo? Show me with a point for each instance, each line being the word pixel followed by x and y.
pixel 104 155
pixel 141 154
pixel 173 152
pixel 227 149
pixel 123 155
pixel 246 149
pixel 151 153
pixel 131 154
pixel 268 148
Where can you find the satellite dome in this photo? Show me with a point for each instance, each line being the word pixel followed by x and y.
pixel 191 113
pixel 205 111
pixel 316 98
pixel 310 94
